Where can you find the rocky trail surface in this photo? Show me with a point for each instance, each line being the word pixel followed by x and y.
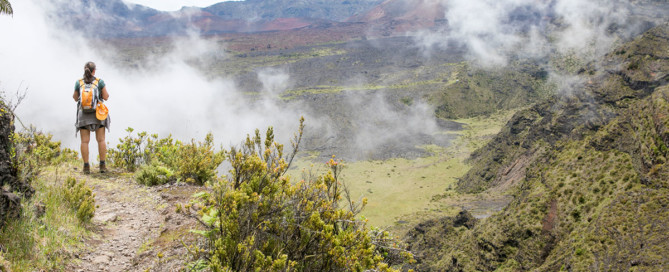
pixel 136 227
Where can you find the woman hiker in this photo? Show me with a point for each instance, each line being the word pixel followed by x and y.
pixel 88 121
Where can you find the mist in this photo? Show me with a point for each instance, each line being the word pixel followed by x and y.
pixel 164 96
pixel 168 95
pixel 497 31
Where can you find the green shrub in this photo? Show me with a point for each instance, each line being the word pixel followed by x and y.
pixel 41 146
pixel 165 151
pixel 43 239
pixel 130 152
pixel 197 162
pixel 80 198
pixel 258 220
pixel 34 150
pixel 154 174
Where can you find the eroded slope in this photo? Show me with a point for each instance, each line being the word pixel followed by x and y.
pixel 590 176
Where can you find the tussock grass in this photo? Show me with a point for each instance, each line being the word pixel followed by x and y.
pixel 44 242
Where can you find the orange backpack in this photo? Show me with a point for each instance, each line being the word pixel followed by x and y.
pixel 89 95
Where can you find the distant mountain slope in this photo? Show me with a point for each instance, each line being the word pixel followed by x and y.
pixel 403 15
pixel 590 174
pixel 113 18
pixel 268 10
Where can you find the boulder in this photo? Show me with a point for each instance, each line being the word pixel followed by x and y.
pixel 10 203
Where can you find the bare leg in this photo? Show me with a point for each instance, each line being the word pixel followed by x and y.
pixel 85 138
pixel 102 146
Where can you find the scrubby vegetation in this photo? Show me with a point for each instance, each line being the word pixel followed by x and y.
pixel 476 92
pixel 80 198
pixel 36 150
pixel 258 219
pixel 54 216
pixel 587 171
pixel 163 160
pixel 590 178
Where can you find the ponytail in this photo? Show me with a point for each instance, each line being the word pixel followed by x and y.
pixel 89 68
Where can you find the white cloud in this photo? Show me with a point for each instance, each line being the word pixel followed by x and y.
pixel 166 96
pixel 495 31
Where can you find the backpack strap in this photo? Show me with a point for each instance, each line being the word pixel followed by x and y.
pixel 81 88
pixel 99 94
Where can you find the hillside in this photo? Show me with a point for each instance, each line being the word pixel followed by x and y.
pixel 115 19
pixel 329 81
pixel 399 16
pixel 356 18
pixel 545 162
pixel 588 173
pixel 275 9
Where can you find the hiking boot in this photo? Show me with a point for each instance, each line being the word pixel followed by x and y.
pixel 103 167
pixel 87 168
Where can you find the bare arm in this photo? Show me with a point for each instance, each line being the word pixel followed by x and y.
pixel 105 94
pixel 75 96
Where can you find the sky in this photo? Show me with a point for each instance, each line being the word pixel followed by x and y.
pixel 171 5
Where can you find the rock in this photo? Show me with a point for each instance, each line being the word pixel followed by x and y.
pixel 103 259
pixel 39 208
pixel 10 204
pixel 105 218
pixel 464 218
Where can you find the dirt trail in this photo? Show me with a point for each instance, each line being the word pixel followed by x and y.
pixel 136 227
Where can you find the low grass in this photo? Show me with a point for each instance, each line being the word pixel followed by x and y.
pixel 480 129
pixel 292 94
pixel 440 81
pixel 46 242
pixel 397 189
pixel 245 62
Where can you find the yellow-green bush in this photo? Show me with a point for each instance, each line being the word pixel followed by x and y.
pixel 197 162
pixel 154 174
pixel 33 150
pixel 130 152
pixel 53 217
pixel 80 198
pixel 42 241
pixel 258 220
pixel 193 162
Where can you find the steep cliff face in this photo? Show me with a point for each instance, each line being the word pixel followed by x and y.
pixel 590 174
pixel 10 204
pixel 632 72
